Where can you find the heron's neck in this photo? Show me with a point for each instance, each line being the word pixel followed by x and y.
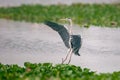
pixel 70 28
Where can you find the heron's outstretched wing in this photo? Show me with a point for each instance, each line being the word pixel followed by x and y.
pixel 61 30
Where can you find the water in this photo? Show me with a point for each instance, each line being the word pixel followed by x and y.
pixel 21 42
pixel 46 2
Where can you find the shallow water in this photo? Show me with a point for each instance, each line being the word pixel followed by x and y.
pixel 46 2
pixel 21 42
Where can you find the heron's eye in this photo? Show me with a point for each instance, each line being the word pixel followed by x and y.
pixel 68 18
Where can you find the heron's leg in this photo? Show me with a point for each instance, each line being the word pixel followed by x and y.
pixel 63 60
pixel 70 56
pixel 68 53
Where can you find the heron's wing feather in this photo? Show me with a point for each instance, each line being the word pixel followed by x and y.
pixel 76 43
pixel 61 30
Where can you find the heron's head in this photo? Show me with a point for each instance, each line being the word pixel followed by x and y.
pixel 67 19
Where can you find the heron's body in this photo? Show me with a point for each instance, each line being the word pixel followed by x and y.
pixel 75 44
pixel 72 42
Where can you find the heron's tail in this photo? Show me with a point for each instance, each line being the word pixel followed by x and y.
pixel 77 54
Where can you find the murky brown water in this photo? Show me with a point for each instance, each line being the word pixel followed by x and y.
pixel 21 42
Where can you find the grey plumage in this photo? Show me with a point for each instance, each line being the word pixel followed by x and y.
pixel 75 41
pixel 61 30
pixel 76 44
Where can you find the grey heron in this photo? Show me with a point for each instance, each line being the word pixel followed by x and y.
pixel 72 42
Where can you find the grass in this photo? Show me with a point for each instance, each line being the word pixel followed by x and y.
pixel 82 14
pixel 46 71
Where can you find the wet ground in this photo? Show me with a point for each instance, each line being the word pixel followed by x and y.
pixel 21 42
pixel 46 2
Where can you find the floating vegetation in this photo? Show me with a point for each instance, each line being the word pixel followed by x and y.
pixel 82 14
pixel 47 71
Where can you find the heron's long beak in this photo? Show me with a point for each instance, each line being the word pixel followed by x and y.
pixel 63 19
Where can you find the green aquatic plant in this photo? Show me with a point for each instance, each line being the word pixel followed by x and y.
pixel 48 71
pixel 82 14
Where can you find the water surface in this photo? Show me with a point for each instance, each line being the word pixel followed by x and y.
pixel 21 42
pixel 6 3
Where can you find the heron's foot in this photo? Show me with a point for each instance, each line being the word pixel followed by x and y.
pixel 69 61
pixel 63 60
